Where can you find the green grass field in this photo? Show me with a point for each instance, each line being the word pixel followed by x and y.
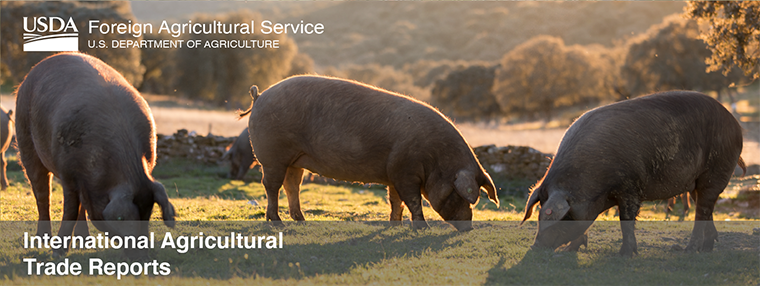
pixel 347 241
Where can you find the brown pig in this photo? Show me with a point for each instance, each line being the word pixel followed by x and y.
pixel 240 155
pixel 6 132
pixel 649 148
pixel 80 120
pixel 355 132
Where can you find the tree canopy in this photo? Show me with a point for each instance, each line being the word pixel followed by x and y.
pixel 734 34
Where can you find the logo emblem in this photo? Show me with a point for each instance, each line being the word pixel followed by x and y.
pixel 50 34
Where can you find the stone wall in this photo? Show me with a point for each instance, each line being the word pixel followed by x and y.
pixel 508 162
pixel 205 149
pixel 513 162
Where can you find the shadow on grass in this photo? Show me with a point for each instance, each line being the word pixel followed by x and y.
pixel 734 261
pixel 184 178
pixel 310 249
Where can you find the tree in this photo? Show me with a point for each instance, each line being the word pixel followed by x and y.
pixel 225 74
pixel 160 67
pixel 668 56
pixel 734 34
pixel 466 94
pixel 18 62
pixel 543 74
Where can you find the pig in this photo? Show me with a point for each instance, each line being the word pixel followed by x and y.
pixel 648 148
pixel 672 202
pixel 356 132
pixel 241 156
pixel 80 120
pixel 6 133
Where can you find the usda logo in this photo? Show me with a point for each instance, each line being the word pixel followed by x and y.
pixel 50 34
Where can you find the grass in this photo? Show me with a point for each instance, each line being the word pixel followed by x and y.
pixel 346 240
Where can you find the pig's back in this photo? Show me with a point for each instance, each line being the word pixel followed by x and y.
pixel 349 130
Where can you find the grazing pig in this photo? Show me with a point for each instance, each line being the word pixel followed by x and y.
pixel 355 132
pixel 80 120
pixel 6 131
pixel 672 202
pixel 240 155
pixel 649 148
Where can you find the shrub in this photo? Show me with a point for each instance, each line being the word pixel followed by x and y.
pixel 543 74
pixel 466 94
pixel 670 55
pixel 221 75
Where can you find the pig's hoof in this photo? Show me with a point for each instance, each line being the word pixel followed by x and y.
pixel 298 217
pixel 395 223
pixel 628 252
pixel 277 223
pixel 692 246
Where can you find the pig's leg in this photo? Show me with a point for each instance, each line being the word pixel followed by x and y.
pixel 82 229
pixel 629 209
pixel 234 171
pixel 242 169
pixel 704 235
pixel 70 215
pixel 669 205
pixel 686 203
pixel 272 180
pixel 397 206
pixel 410 194
pixel 292 187
pixel 706 192
pixel 40 178
pixel 3 177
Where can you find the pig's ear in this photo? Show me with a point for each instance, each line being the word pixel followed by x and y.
pixel 532 201
pixel 555 208
pixel 487 184
pixel 167 209
pixel 466 186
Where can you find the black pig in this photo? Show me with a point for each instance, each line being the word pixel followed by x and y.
pixel 80 120
pixel 240 155
pixel 649 148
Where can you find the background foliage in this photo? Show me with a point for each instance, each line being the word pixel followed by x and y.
pixel 16 63
pixel 474 60
pixel 734 34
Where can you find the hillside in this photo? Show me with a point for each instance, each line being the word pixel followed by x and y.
pixel 395 33
pixel 402 32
